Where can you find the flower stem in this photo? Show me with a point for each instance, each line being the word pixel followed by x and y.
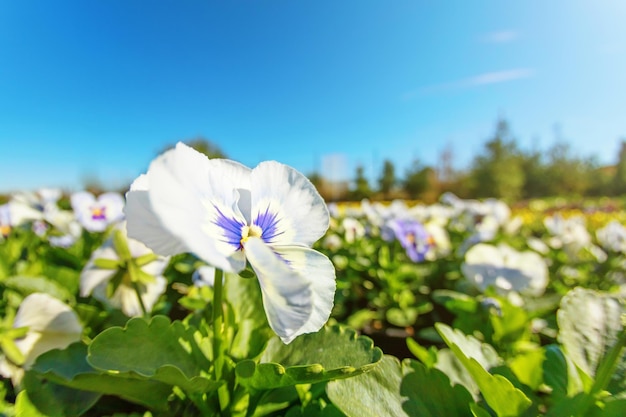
pixel 141 304
pixel 218 337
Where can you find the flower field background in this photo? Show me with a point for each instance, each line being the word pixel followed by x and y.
pixel 457 308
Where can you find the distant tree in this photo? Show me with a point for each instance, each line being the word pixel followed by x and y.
pixel 361 185
pixel 534 173
pixel 316 179
pixel 566 173
pixel 204 146
pixel 618 184
pixel 387 180
pixel 417 179
pixel 499 171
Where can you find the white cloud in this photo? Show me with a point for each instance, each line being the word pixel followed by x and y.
pixel 494 77
pixel 502 36
pixel 499 76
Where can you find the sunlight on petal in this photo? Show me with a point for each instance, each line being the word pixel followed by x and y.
pixel 302 216
pixel 287 296
pixel 319 271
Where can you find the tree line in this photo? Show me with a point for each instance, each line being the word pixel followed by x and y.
pixel 501 170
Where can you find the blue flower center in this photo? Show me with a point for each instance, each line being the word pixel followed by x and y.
pixel 237 232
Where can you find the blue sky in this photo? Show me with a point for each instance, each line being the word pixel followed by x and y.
pixel 94 89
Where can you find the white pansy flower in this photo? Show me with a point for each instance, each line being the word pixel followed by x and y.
pixel 353 229
pixel 121 268
pixel 96 214
pixel 48 323
pixel 227 215
pixel 612 237
pixel 505 269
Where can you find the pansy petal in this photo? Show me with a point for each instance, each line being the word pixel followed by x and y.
pixel 20 212
pixel 227 203
pixel 93 276
pixel 319 271
pixel 287 295
pixel 143 223
pixel 114 204
pixel 82 199
pixel 286 205
pixel 51 325
pixel 125 297
pixel 43 313
pixel 181 198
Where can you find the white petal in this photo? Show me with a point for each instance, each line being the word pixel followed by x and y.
pixel 125 297
pixel 156 267
pixel 51 325
pixel 44 313
pixel 20 212
pixel 182 199
pixel 287 295
pixel 301 214
pixel 82 200
pixel 205 275
pixel 114 204
pixel 92 276
pixel 319 271
pixel 143 224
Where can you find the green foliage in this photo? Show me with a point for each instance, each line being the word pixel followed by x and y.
pixel 361 188
pixel 588 337
pixel 499 392
pixel 387 179
pixel 417 179
pixel 400 389
pixel 618 184
pixel 333 352
pixel 161 351
pixel 499 172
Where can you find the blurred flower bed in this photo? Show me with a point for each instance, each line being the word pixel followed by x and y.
pixel 463 289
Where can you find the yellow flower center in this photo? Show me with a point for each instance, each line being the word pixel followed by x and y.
pixel 248 232
pixel 98 213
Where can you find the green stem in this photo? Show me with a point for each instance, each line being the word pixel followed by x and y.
pixel 218 337
pixel 141 304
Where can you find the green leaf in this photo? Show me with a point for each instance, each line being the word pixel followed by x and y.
pixel 527 367
pixel 478 411
pixel 587 336
pixel 69 367
pixel 51 399
pixel 156 350
pixel 247 274
pixel 145 259
pixel 375 393
pixel 499 392
pixel 394 389
pixel 138 275
pixel 104 263
pixel 570 407
pixel 560 373
pixel 250 322
pixel 121 245
pixel 24 407
pixel 614 408
pixel 430 393
pixel 333 352
pixel 11 350
pixel 427 356
pixel 29 285
pixel 401 317
pixel 454 301
pixel 471 347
